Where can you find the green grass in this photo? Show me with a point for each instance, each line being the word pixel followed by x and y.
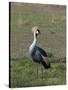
pixel 51 20
pixel 24 73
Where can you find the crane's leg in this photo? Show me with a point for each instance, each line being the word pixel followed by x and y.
pixel 42 72
pixel 37 70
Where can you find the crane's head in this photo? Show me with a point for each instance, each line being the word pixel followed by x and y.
pixel 35 30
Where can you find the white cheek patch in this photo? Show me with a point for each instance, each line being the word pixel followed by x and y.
pixel 37 32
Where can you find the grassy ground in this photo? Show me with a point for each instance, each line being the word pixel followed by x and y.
pixel 51 20
pixel 24 73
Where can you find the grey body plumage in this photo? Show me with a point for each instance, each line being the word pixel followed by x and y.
pixel 40 56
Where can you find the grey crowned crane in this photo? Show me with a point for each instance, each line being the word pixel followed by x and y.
pixel 38 54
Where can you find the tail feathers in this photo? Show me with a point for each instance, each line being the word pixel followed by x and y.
pixel 46 65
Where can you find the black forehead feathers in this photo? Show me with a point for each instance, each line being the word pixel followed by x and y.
pixel 38 30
